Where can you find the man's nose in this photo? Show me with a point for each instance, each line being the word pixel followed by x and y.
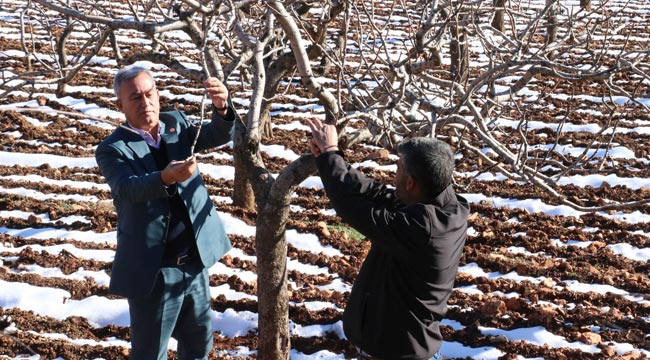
pixel 146 100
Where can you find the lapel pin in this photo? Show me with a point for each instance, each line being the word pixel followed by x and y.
pixel 172 130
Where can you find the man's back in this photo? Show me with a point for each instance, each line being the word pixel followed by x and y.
pixel 401 292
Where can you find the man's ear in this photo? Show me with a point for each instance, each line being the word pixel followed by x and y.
pixel 118 104
pixel 410 183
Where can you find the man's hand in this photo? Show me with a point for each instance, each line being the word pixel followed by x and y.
pixel 315 150
pixel 218 93
pixel 178 171
pixel 325 137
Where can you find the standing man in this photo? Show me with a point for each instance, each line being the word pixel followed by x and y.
pixel 168 232
pixel 417 232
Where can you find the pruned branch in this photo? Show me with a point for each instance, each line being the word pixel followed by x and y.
pixel 147 27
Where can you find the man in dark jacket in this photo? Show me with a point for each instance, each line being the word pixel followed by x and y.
pixel 417 231
pixel 168 231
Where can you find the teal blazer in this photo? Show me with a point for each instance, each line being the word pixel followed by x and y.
pixel 142 201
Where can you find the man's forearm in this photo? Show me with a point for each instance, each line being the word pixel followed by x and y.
pixel 342 180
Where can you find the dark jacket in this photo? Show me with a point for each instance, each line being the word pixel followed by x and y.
pixel 401 292
pixel 142 201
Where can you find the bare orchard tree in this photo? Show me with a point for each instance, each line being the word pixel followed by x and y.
pixel 275 29
pixel 458 45
pixel 264 42
pixel 47 59
pixel 512 73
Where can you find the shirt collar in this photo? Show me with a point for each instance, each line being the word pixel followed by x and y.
pixel 154 143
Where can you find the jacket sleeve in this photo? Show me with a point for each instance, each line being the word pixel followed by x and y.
pixel 344 180
pixel 126 182
pixel 218 131
pixel 371 208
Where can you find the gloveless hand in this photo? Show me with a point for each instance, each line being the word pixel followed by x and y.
pixel 217 92
pixel 178 171
pixel 325 136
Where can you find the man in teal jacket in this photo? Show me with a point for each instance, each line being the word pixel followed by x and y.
pixel 168 232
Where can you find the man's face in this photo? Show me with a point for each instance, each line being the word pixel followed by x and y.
pixel 138 100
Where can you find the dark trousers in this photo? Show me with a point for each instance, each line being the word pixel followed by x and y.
pixel 365 356
pixel 178 306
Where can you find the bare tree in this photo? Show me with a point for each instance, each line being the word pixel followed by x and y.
pixel 46 56
pixel 254 37
pixel 273 195
pixel 421 97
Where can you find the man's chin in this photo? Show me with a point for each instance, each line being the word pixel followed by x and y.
pixel 152 119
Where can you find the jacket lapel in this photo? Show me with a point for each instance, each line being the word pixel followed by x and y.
pixel 170 141
pixel 140 149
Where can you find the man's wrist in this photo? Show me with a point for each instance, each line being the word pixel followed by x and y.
pixel 331 148
pixel 165 180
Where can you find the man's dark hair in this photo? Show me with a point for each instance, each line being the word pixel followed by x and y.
pixel 429 161
pixel 126 73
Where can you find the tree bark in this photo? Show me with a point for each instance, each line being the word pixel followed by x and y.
pixel 242 195
pixel 551 25
pixel 585 4
pixel 499 11
pixel 62 55
pixel 459 52
pixel 273 298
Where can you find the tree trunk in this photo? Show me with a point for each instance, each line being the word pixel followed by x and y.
pixel 272 293
pixel 585 4
pixel 274 339
pixel 62 54
pixel 499 10
pixel 265 118
pixel 551 27
pixel 271 248
pixel 458 52
pixel 242 195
